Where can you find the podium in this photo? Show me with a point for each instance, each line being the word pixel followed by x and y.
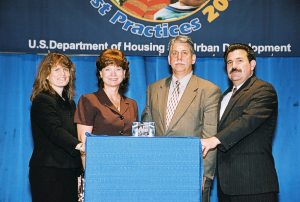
pixel 143 169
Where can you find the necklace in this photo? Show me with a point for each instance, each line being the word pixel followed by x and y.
pixel 115 99
pixel 116 103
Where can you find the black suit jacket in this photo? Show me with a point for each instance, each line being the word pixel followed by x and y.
pixel 246 129
pixel 54 132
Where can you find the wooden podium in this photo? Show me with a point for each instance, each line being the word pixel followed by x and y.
pixel 143 169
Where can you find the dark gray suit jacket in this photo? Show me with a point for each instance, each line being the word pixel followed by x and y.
pixel 246 130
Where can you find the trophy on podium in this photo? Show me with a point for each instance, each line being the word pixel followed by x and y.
pixel 143 129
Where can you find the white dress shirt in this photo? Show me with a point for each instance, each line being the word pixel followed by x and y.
pixel 226 99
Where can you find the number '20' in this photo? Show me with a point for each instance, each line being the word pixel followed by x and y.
pixel 212 10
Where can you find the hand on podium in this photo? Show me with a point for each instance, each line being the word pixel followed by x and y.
pixel 208 144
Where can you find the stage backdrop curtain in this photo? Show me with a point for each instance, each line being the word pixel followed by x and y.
pixel 18 72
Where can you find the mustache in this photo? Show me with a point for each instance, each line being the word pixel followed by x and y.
pixel 234 69
pixel 181 63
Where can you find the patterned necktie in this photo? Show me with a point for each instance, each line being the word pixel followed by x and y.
pixel 172 103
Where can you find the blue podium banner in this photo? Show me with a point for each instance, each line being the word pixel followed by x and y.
pixel 147 169
pixel 140 27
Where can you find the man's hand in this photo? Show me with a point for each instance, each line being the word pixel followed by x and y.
pixel 208 144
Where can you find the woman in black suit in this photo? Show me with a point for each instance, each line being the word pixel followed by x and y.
pixel 55 163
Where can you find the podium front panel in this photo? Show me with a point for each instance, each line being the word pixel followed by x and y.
pixel 143 169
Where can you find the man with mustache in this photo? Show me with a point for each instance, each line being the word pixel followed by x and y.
pixel 185 104
pixel 245 165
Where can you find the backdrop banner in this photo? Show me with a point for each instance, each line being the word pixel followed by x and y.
pixel 144 27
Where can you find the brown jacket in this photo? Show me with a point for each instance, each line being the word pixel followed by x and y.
pixel 97 110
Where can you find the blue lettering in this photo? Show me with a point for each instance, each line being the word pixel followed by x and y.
pixel 196 25
pixel 96 3
pixel 118 17
pixel 165 31
pixel 158 31
pixel 174 30
pixel 121 18
pixel 137 28
pixel 101 5
pixel 104 9
pixel 127 25
pixel 185 28
pixel 148 31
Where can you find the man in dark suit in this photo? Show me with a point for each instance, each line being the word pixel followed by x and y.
pixel 195 106
pixel 248 114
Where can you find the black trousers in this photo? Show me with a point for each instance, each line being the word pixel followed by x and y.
pixel 263 197
pixel 53 184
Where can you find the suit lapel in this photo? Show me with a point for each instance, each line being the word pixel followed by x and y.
pixel 225 113
pixel 230 105
pixel 163 99
pixel 187 98
pixel 124 105
pixel 103 99
pixel 244 88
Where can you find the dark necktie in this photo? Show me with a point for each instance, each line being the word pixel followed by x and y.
pixel 234 90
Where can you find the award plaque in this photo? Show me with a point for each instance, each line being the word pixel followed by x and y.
pixel 143 129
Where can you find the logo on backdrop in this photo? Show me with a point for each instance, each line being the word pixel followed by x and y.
pixel 159 19
pixel 144 27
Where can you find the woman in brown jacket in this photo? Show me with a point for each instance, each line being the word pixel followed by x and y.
pixel 107 111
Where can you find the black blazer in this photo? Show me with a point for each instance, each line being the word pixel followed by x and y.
pixel 246 129
pixel 54 132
